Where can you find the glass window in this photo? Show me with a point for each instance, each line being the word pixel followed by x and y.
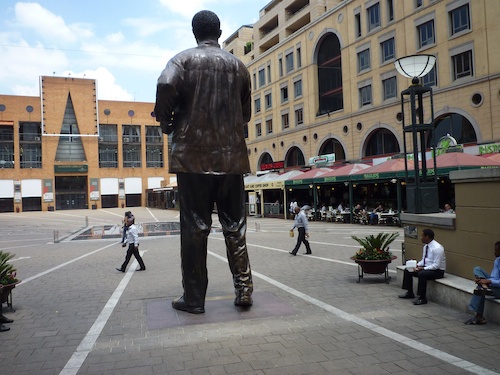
pixel 364 60
pixel 357 25
pixel 373 17
pixel 430 79
pixel 108 156
pixel 30 145
pixel 262 77
pixel 254 81
pixel 154 147
pixel 285 121
pixel 381 142
pixel 387 50
pixel 418 3
pixel 426 34
pixel 299 58
pixel 257 105
pixel 390 10
pixel 330 90
pixel 131 156
pixel 154 156
pixel 269 74
pixel 269 126
pixel 258 130
pixel 460 19
pixel 365 95
pixel 269 101
pixel 131 134
pixel 297 88
pixel 280 66
pixel 7 146
pixel 390 88
pixel 289 62
pixel 299 116
pixel 245 131
pixel 462 65
pixel 284 94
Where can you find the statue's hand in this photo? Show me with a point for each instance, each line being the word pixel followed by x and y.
pixel 167 128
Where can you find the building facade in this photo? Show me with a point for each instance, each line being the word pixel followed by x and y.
pixel 325 85
pixel 67 150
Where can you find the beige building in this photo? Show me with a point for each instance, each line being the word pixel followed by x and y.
pixel 67 150
pixel 324 80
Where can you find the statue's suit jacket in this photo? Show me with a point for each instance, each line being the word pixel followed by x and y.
pixel 204 99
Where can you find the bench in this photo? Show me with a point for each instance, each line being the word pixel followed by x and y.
pixel 455 292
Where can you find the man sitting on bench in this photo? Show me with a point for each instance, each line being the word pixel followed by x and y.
pixel 487 285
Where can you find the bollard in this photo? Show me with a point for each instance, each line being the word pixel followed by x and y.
pixel 86 221
pixel 257 227
pixel 56 236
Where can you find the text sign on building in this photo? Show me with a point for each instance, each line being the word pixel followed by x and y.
pixel 48 192
pixel 322 159
pixel 273 165
pixel 94 189
pixel 70 168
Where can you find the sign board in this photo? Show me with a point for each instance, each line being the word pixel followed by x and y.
pixel 71 168
pixel 273 165
pixel 322 159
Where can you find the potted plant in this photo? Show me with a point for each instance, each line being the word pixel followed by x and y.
pixel 7 276
pixel 374 255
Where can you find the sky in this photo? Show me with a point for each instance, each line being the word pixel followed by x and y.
pixel 124 45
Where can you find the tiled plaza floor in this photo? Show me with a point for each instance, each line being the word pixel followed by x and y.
pixel 75 314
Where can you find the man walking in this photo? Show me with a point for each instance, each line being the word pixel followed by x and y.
pixel 303 229
pixel 133 246
pixel 203 99
pixel 431 267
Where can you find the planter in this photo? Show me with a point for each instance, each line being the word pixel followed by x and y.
pixel 373 267
pixel 6 294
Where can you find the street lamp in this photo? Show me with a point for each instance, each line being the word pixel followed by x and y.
pixel 421 189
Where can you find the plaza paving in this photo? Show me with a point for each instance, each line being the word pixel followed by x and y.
pixel 75 314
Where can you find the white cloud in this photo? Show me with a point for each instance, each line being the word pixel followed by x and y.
pixel 107 88
pixel 147 26
pixel 186 8
pixel 48 25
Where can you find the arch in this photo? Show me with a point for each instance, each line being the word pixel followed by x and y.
pixel 264 158
pixel 294 157
pixel 328 58
pixel 380 140
pixel 457 123
pixel 332 145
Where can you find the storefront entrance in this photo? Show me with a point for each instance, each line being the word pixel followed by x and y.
pixel 71 192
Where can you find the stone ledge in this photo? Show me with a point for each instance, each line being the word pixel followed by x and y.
pixel 455 292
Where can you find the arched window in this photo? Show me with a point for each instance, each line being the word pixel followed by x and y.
pixel 265 158
pixel 332 146
pixel 330 75
pixel 294 157
pixel 381 142
pixel 455 125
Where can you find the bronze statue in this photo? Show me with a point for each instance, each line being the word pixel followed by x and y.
pixel 203 99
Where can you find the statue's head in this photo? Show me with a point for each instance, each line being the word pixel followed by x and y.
pixel 206 25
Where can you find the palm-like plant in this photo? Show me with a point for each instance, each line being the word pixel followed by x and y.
pixel 375 247
pixel 7 270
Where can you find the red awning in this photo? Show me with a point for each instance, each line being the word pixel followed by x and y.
pixel 461 159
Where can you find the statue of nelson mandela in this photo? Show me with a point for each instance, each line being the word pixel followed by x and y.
pixel 203 99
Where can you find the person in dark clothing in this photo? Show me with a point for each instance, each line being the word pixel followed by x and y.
pixel 203 98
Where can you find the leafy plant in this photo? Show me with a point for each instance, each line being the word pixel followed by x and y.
pixel 7 270
pixel 375 247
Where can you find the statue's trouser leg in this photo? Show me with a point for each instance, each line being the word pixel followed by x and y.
pixel 197 194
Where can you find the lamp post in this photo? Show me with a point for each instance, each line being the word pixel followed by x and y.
pixel 421 186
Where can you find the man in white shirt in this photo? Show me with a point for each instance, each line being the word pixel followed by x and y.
pixel 133 246
pixel 431 267
pixel 303 229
